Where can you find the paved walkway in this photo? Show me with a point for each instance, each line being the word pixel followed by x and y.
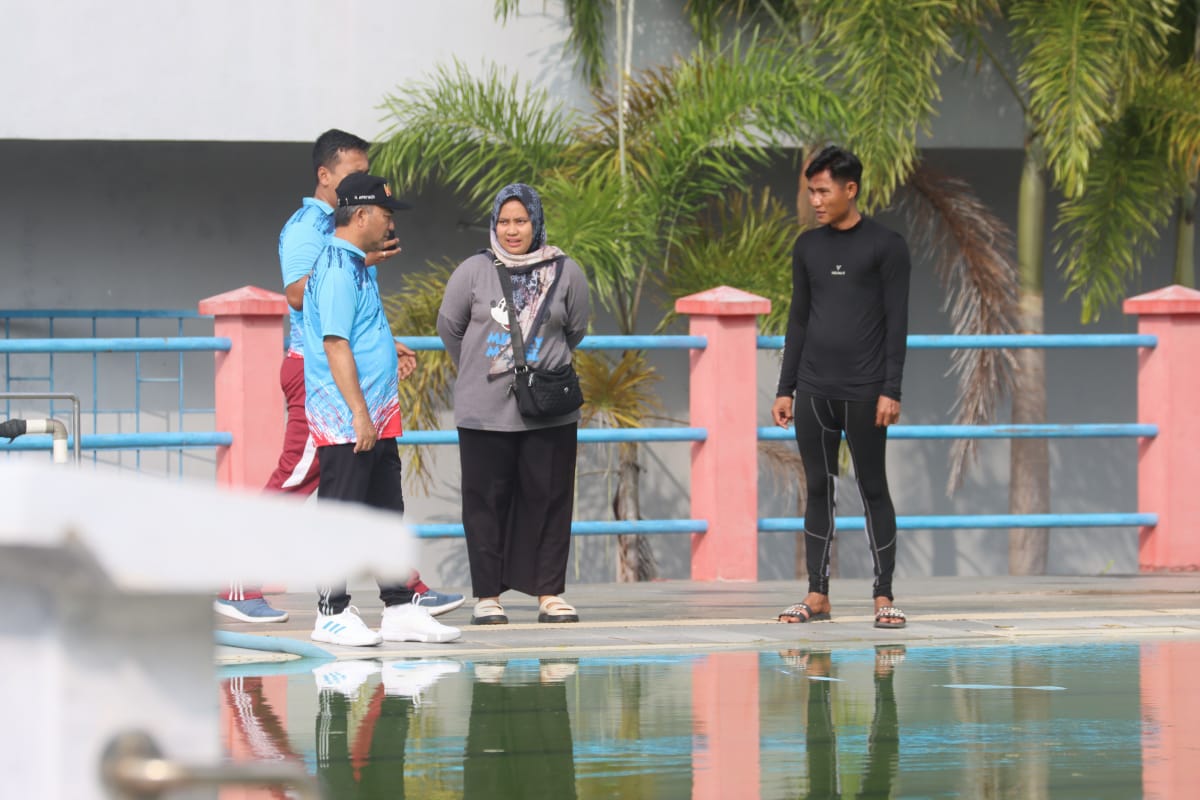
pixel 673 615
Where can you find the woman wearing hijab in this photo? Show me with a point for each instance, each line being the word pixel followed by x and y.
pixel 518 473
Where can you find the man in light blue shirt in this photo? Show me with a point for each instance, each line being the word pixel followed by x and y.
pixel 336 154
pixel 352 404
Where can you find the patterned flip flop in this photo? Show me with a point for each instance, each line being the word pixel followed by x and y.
pixel 802 612
pixel 890 612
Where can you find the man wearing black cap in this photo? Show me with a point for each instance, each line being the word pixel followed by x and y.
pixel 350 379
pixel 335 155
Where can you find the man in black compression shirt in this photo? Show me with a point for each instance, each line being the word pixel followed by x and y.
pixel 843 359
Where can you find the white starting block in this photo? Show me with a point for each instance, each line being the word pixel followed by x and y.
pixel 106 586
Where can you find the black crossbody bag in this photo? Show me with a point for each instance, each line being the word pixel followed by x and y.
pixel 540 392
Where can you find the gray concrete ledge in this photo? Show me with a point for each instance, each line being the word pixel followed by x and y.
pixel 685 615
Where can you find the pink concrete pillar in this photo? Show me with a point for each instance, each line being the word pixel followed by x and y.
pixel 1170 708
pixel 725 726
pixel 1169 464
pixel 723 398
pixel 248 399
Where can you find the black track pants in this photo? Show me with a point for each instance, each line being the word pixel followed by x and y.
pixel 373 479
pixel 819 426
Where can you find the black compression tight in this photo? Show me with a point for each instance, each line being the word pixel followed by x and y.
pixel 819 425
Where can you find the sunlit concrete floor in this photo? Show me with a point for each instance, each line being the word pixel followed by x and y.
pixel 673 615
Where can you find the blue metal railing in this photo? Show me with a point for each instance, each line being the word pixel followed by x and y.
pixel 1042 341
pixel 584 528
pixel 586 436
pixel 974 521
pixel 600 342
pixel 32 360
pixel 206 439
pixel 133 344
pixel 1080 431
pixel 170 440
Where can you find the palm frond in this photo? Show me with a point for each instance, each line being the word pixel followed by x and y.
pixel 586 19
pixel 887 57
pixel 1111 226
pixel 976 264
pixel 742 241
pixel 694 131
pixel 474 134
pixel 1169 107
pixel 598 233
pixel 617 393
pixel 709 17
pixel 507 8
pixel 1143 31
pixel 429 391
pixel 1082 59
pixel 726 109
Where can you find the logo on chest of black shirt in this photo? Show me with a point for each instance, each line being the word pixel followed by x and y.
pixel 837 270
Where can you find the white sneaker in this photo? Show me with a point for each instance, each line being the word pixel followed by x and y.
pixel 410 622
pixel 346 677
pixel 410 678
pixel 346 629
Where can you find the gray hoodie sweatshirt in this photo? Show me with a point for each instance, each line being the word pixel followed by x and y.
pixel 473 324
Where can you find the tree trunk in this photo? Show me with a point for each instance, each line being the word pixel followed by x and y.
pixel 1185 241
pixel 1029 462
pixel 635 558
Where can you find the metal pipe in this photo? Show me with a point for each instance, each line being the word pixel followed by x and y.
pixel 76 421
pixel 133 768
pixel 58 433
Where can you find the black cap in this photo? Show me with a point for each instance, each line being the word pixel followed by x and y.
pixel 361 189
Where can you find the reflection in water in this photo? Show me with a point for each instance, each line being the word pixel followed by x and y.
pixel 253 729
pixel 361 754
pixel 519 741
pixel 1105 720
pixel 883 743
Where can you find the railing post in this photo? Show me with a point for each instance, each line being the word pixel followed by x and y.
pixel 1169 464
pixel 248 399
pixel 723 396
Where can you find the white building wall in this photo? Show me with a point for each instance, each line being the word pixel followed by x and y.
pixel 285 70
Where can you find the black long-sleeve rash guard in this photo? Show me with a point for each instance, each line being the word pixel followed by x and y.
pixel 848 324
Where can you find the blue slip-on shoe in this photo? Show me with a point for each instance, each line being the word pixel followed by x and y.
pixel 256 610
pixel 438 603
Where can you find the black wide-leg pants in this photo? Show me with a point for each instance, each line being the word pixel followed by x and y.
pixel 518 493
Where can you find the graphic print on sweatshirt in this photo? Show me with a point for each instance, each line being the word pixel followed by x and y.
pixel 532 292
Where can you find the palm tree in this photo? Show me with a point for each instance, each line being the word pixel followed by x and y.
pixel 624 187
pixel 1078 71
pixel 1110 93
pixel 872 53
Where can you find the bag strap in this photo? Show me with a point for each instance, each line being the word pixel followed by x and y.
pixel 514 327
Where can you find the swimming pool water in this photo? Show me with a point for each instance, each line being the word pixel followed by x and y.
pixel 1083 720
